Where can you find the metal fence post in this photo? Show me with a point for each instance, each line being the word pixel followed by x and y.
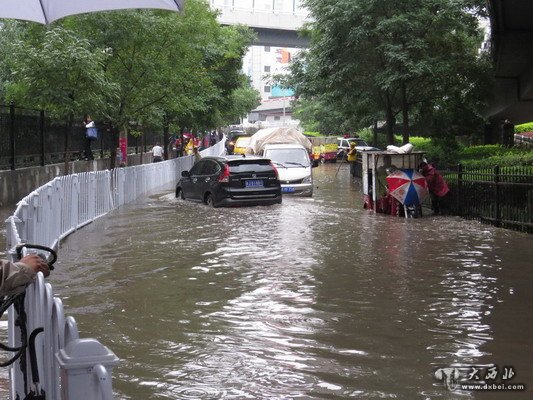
pixel 102 144
pixel 12 134
pixel 459 188
pixel 41 131
pixel 497 206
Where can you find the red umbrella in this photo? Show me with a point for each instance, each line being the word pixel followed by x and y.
pixel 408 186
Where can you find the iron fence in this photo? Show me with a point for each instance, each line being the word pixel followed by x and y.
pixel 498 196
pixel 31 138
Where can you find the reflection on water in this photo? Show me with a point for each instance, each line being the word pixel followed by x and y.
pixel 314 298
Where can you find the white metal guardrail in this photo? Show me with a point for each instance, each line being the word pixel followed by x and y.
pixel 70 368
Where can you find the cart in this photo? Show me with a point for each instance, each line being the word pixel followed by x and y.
pixel 376 166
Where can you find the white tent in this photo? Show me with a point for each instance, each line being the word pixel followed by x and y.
pixel 277 135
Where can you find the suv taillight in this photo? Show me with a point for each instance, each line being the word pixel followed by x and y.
pixel 275 170
pixel 224 175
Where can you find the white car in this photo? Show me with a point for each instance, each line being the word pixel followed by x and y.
pixel 344 146
pixel 294 167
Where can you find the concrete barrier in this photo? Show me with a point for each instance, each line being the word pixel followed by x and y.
pixel 14 185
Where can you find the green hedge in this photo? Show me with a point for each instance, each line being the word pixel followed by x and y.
pixel 368 136
pixel 524 128
pixel 486 156
pixel 447 151
pixel 510 159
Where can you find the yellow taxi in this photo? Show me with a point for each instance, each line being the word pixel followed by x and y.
pixel 241 144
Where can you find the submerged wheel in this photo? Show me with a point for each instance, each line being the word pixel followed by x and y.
pixel 179 193
pixel 210 201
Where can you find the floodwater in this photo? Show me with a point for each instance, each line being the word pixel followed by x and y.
pixel 311 299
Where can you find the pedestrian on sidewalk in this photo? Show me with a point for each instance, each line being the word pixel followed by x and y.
pixel 90 135
pixel 196 154
pixel 157 153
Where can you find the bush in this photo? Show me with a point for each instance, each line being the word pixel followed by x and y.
pixel 367 135
pixel 524 128
pixel 419 143
pixel 444 151
pixel 509 159
pixel 439 151
pixel 484 151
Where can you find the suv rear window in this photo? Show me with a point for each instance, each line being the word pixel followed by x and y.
pixel 239 166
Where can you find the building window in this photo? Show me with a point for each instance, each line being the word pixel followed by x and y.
pixel 267 68
pixel 267 89
pixel 267 49
pixel 277 118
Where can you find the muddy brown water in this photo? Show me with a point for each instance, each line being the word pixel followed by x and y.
pixel 312 299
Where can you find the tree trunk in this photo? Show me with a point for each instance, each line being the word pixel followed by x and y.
pixel 405 115
pixel 181 147
pixel 391 123
pixel 375 134
pixel 114 146
pixel 68 134
pixel 166 140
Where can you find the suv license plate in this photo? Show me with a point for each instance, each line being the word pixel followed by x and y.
pixel 254 183
pixel 287 189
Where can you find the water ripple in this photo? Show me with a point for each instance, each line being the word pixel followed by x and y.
pixel 309 299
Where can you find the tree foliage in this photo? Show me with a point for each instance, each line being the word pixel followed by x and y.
pixel 414 62
pixel 130 68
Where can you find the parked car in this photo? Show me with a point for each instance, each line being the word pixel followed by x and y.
pixel 294 167
pixel 231 181
pixel 344 146
pixel 241 144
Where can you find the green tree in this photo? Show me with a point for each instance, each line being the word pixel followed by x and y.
pixel 54 69
pixel 380 59
pixel 132 69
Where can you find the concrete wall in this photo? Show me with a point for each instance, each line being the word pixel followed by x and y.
pixel 14 185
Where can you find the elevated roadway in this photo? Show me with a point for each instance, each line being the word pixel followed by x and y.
pixel 275 27
pixel 512 51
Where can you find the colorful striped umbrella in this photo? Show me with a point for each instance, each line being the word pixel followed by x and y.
pixel 408 186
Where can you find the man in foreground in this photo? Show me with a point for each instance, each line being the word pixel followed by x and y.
pixel 15 276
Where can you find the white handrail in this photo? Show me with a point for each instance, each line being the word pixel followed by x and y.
pixel 45 217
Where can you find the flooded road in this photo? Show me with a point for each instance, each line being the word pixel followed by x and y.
pixel 312 299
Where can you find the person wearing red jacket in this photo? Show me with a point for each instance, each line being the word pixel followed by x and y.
pixel 437 186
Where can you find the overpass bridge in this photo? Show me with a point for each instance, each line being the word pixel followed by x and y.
pixel 512 50
pixel 275 21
